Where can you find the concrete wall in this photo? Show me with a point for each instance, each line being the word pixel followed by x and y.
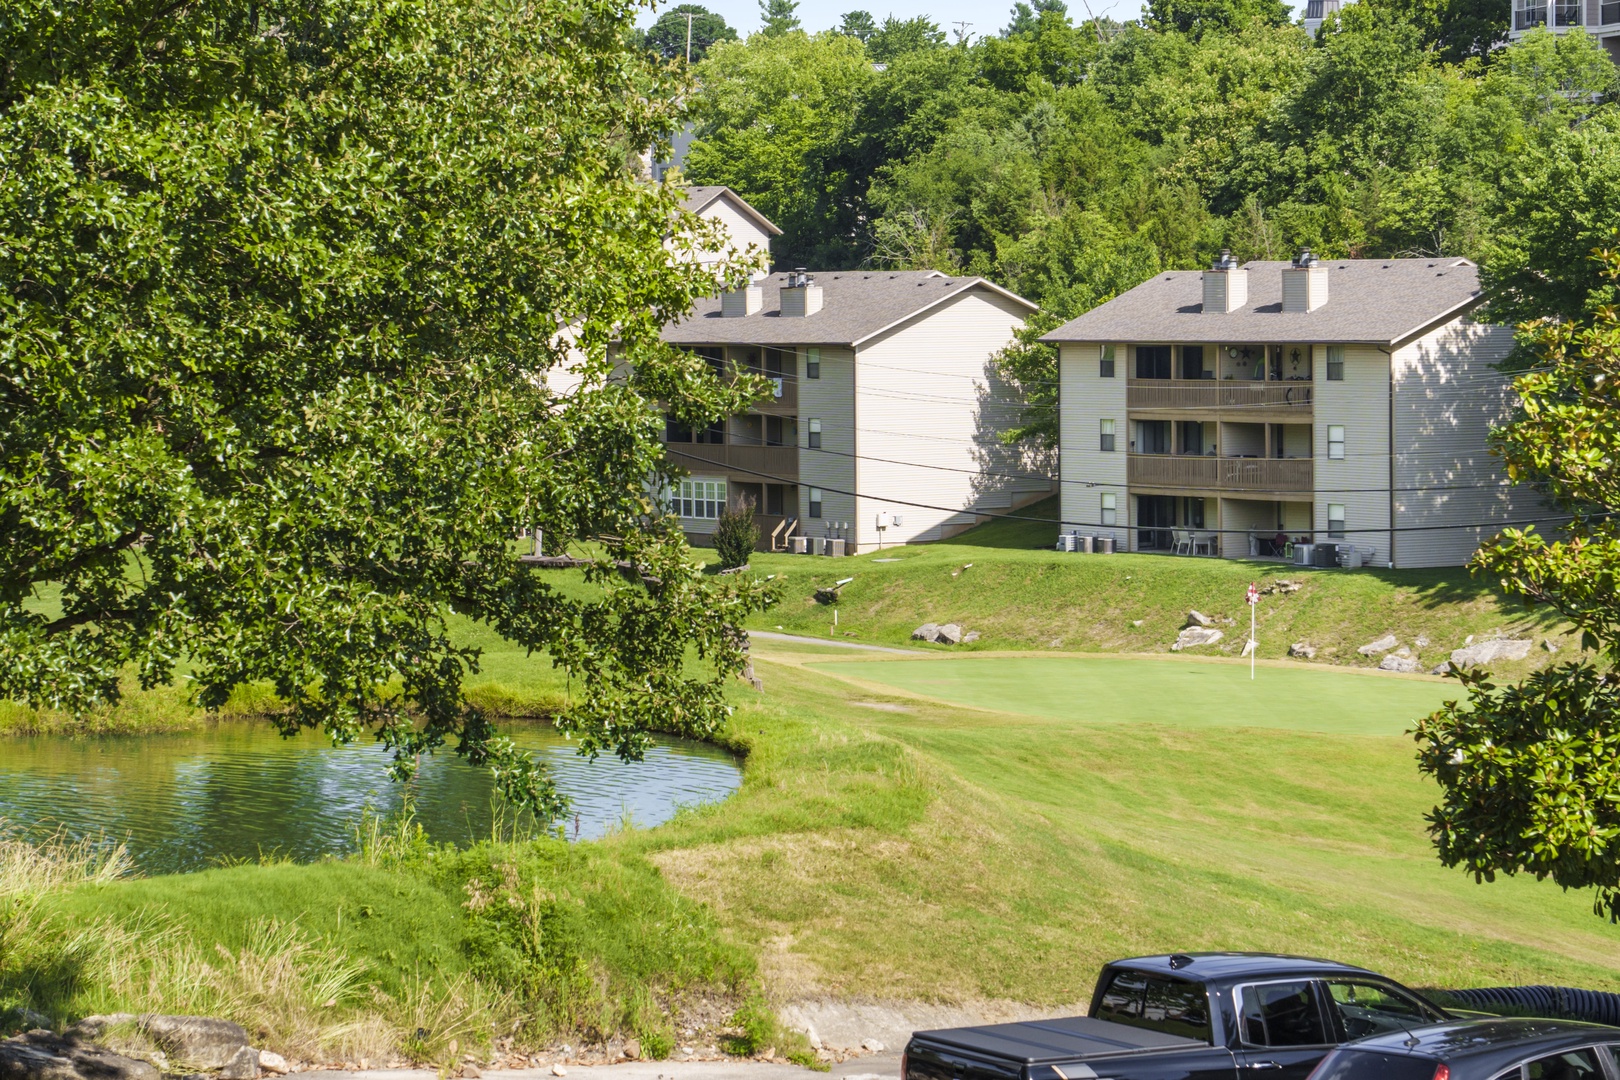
pixel 830 399
pixel 1361 480
pixel 1087 472
pixel 1450 492
pixel 928 415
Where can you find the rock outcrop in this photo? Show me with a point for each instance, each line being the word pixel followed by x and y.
pixel 1392 662
pixel 1302 651
pixel 44 1055
pixel 944 634
pixel 1495 649
pixel 1382 645
pixel 1194 636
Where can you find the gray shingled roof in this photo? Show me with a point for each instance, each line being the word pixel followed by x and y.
pixel 699 197
pixel 856 305
pixel 1370 301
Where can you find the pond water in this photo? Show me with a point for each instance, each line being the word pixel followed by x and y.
pixel 239 791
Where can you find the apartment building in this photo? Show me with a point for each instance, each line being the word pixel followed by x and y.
pixel 1600 18
pixel 1245 409
pixel 883 421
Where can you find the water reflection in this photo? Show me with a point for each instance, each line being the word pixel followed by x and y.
pixel 190 801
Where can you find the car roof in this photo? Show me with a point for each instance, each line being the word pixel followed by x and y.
pixel 1489 1044
pixel 1205 966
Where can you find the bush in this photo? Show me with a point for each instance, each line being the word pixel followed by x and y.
pixel 736 535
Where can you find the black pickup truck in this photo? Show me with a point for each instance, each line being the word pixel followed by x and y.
pixel 1204 1016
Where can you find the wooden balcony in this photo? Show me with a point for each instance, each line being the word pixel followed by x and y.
pixel 1220 474
pixel 764 464
pixel 784 395
pixel 1244 399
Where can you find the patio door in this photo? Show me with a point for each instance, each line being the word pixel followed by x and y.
pixel 1155 517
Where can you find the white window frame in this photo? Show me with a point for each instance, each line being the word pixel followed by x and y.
pixel 1335 442
pixel 1110 508
pixel 1105 436
pixel 812 363
pixel 815 503
pixel 700 498
pixel 1335 363
pixel 1335 520
pixel 813 434
pixel 1105 362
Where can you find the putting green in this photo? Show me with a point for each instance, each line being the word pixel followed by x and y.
pixel 1180 693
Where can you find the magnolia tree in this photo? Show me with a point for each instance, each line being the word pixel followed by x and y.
pixel 283 286
pixel 1530 774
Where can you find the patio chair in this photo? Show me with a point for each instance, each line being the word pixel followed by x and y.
pixel 1180 539
pixel 1203 540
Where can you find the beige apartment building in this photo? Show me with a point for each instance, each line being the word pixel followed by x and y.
pixel 1247 410
pixel 883 422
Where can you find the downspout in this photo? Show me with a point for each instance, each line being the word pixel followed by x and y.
pixel 1391 354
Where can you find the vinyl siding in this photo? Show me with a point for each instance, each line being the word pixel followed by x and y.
pixel 1450 492
pixel 928 418
pixel 743 232
pixel 1361 481
pixel 1087 400
pixel 830 399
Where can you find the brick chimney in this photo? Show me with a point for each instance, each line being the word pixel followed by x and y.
pixel 1226 285
pixel 1304 284
pixel 801 295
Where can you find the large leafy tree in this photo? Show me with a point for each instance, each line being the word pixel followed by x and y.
pixel 1530 774
pixel 284 286
pixel 687 25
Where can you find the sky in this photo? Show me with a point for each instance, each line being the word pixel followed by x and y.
pixel 982 17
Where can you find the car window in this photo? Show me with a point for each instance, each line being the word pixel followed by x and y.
pixel 1371 1009
pixel 1281 1014
pixel 1613 1053
pixel 1569 1065
pixel 1157 1002
pixel 1350 1064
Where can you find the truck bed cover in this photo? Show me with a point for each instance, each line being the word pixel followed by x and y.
pixel 1036 1041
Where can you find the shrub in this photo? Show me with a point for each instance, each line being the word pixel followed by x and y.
pixel 736 535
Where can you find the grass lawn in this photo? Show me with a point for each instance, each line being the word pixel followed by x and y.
pixel 1176 693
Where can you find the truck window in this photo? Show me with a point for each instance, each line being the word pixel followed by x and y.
pixel 1281 1014
pixel 1570 1065
pixel 1370 1009
pixel 1156 1002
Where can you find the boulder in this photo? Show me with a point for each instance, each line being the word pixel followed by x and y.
pixel 1195 618
pixel 1443 668
pixel 243 1066
pixel 42 1055
pixel 1382 645
pixel 1546 643
pixel 1194 636
pixel 949 634
pixel 1286 586
pixel 1302 650
pixel 926 632
pixel 1494 649
pixel 632 1049
pixel 18 1018
pixel 272 1062
pixel 1393 662
pixel 96 1027
pixel 872 1046
pixel 1403 651
pixel 200 1041
pixel 970 636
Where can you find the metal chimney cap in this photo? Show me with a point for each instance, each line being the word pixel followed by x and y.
pixel 1305 259
pixel 1225 261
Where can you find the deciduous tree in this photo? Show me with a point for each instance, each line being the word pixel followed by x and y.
pixel 285 288
pixel 668 36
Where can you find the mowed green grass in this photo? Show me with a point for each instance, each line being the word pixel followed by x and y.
pixel 1176 693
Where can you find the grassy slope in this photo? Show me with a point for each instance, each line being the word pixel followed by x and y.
pixel 1022 598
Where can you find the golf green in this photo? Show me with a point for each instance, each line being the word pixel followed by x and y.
pixel 1180 693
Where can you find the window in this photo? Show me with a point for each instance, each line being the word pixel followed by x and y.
pixel 815 502
pixel 1192 361
pixel 1335 363
pixel 1105 366
pixel 1336 442
pixel 1153 361
pixel 1152 437
pixel 1370 1065
pixel 702 498
pixel 675 431
pixel 773 431
pixel 1336 519
pixel 815 434
pixel 1106 443
pixel 812 363
pixel 1369 1009
pixel 1156 1002
pixel 1281 1014
pixel 1570 1065
pixel 1110 512
pixel 1613 1049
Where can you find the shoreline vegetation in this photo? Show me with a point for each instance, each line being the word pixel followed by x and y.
pixel 884 844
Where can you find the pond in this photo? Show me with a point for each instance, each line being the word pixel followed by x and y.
pixel 239 791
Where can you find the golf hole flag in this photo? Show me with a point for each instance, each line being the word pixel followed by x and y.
pixel 1252 647
pixel 1254 595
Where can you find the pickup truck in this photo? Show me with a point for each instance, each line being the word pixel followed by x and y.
pixel 1203 1016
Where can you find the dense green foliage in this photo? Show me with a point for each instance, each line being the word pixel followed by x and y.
pixel 735 535
pixel 671 36
pixel 1531 773
pixel 280 287
pixel 1070 161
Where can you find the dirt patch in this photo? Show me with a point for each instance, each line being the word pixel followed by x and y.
pixel 884 706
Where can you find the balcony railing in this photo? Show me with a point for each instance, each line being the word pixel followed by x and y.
pixel 1220 473
pixel 765 464
pixel 1216 394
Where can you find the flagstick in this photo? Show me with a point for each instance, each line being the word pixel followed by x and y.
pixel 1253 648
